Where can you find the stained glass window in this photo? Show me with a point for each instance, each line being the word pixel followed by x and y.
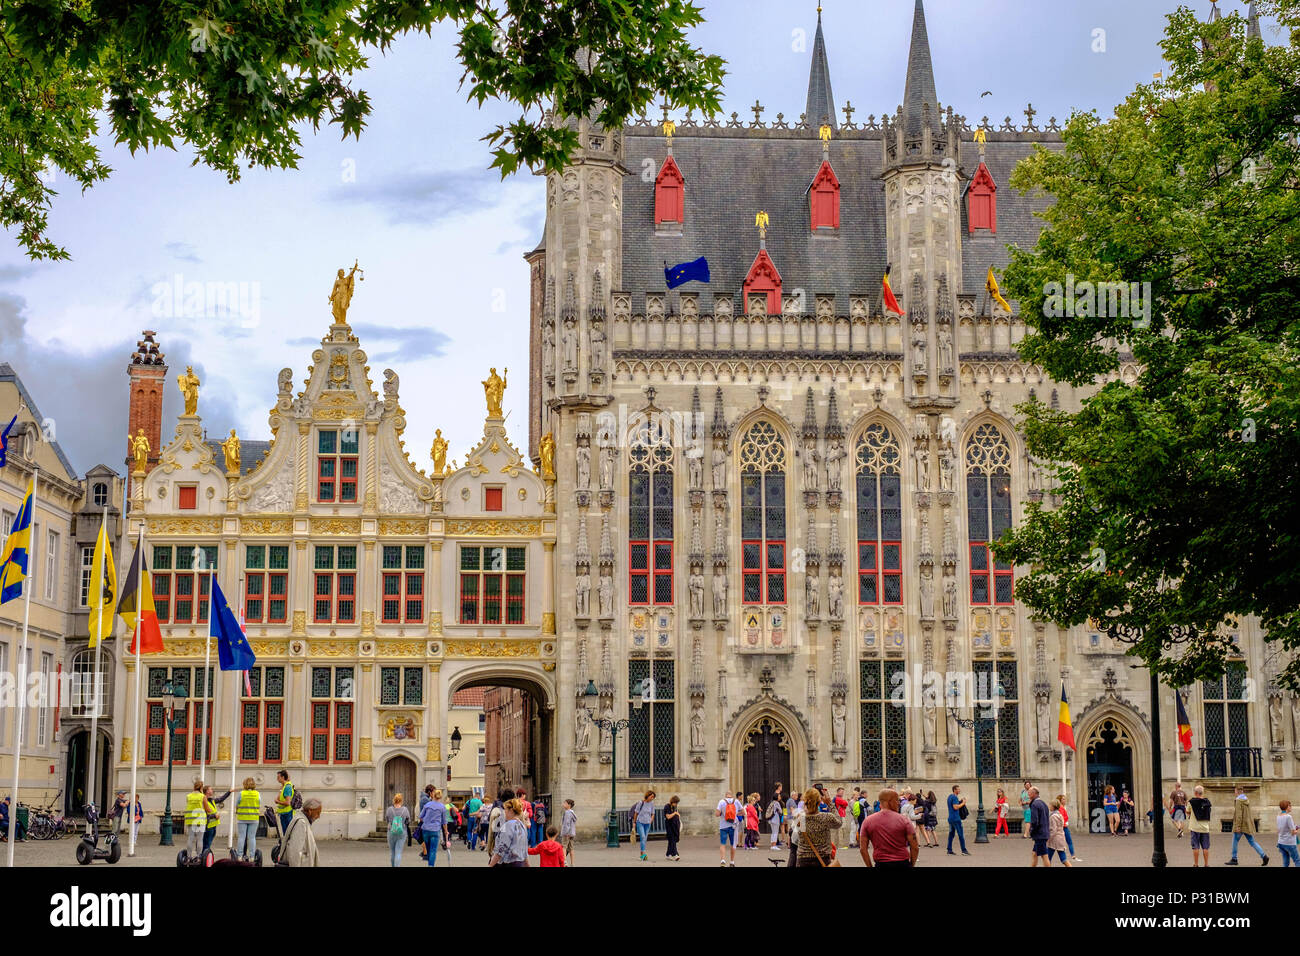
pixel 650 518
pixel 651 732
pixel 762 515
pixel 988 514
pixel 880 517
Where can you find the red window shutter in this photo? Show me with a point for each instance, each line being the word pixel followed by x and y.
pixel 492 499
pixel 670 194
pixel 982 201
pixel 763 277
pixel 824 199
pixel 189 496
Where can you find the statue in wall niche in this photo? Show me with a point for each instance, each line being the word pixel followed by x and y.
pixel 946 469
pixel 605 591
pixel 835 454
pixel 945 350
pixel 839 722
pixel 931 721
pixel 1277 736
pixel 1044 728
pixel 582 728
pixel 548 348
pixel 950 599
pixel 719 467
pixel 927 595
pixel 812 596
pixel 1295 719
pixel 810 460
pixel 719 592
pixel 922 469
pixel 607 467
pixel 1035 475
pixel 953 739
pixel 597 347
pixel 918 351
pixel 583 457
pixel 607 725
pixel 697 594
pixel 582 593
pixel 695 464
pixel 569 341
pixel 697 727
pixel 835 596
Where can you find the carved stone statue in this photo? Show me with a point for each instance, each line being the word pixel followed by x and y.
pixel 953 739
pixel 546 450
pixel 719 593
pixel 946 470
pixel 597 348
pixel 930 724
pixel 140 449
pixel 494 389
pixel 945 350
pixel 1277 736
pixel 1295 719
pixel 695 464
pixel 548 348
pixel 812 595
pixel 922 469
pixel 284 382
pixel 607 725
pixel 918 351
pixel 438 452
pixel 582 728
pixel 340 296
pixel 391 384
pixel 1044 728
pixel 839 721
pixel 927 595
pixel 569 341
pixel 719 467
pixel 949 547
pixel 583 457
pixel 582 588
pixel 607 455
pixel 1035 475
pixel 697 594
pixel 697 727
pixel 189 383
pixel 835 596
pixel 606 594
pixel 810 461
pixel 835 454
pixel 231 449
pixel 950 599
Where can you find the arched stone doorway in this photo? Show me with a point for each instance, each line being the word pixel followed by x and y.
pixel 401 776
pixel 74 785
pixel 766 759
pixel 1109 764
pixel 768 745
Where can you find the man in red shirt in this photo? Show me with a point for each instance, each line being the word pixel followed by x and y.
pixel 891 833
pixel 842 808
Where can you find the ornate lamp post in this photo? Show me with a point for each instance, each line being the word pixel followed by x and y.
pixel 975 724
pixel 591 700
pixel 173 696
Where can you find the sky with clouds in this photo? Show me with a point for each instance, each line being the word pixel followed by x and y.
pixel 438 235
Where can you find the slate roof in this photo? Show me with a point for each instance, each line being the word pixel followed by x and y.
pixel 821 101
pixel 7 374
pixel 919 88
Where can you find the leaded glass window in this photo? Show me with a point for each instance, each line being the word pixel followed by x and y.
pixel 880 517
pixel 650 518
pixel 763 465
pixel 883 719
pixel 988 514
pixel 651 732
pixel 1227 723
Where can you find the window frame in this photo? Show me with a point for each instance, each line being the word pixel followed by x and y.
pixel 503 599
pixel 334 576
pixel 334 730
pixel 168 577
pixel 337 459
pixel 988 468
pixel 262 732
pixel 652 461
pixel 266 577
pixel 411 584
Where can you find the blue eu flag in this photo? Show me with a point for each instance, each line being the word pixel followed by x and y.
pixel 696 270
pixel 233 649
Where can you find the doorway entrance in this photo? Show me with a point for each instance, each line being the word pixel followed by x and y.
pixel 399 777
pixel 1110 764
pixel 766 762
pixel 74 783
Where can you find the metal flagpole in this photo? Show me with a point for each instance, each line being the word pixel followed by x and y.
pixel 20 669
pixel 99 640
pixel 236 740
pixel 205 731
pixel 1178 746
pixel 139 618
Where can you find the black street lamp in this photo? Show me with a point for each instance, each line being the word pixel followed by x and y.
pixel 591 700
pixel 173 696
pixel 455 744
pixel 975 725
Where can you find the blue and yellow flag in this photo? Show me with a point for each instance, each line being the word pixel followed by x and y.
pixel 4 441
pixel 697 270
pixel 233 650
pixel 18 546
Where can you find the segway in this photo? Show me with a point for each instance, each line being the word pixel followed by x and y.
pixel 88 848
pixel 257 854
pixel 204 859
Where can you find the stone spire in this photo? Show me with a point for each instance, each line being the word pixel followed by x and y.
pixel 570 300
pixel 719 417
pixel 821 102
pixel 583 551
pixel 596 310
pixel 696 429
pixel 833 427
pixel 1214 12
pixel 919 90
pixel 1252 23
pixel 810 415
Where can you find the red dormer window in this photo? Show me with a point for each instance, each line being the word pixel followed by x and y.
pixel 670 194
pixel 982 202
pixel 763 277
pixel 824 199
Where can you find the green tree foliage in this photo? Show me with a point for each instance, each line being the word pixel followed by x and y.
pixel 1179 490
pixel 238 81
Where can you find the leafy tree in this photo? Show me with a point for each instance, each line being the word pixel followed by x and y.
pixel 238 80
pixel 1178 510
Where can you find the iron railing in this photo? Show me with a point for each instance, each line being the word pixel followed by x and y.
pixel 1231 762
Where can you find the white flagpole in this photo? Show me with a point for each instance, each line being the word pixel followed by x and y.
pixel 99 640
pixel 20 669
pixel 204 730
pixel 236 740
pixel 139 703
pixel 1178 744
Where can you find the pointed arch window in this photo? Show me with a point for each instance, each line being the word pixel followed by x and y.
pixel 762 515
pixel 982 202
pixel 988 513
pixel 650 521
pixel 824 199
pixel 880 517
pixel 670 194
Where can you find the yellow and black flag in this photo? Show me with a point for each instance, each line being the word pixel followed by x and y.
pixel 102 596
pixel 992 286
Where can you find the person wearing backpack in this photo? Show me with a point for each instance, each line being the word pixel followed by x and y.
pixel 496 818
pixel 284 803
pixel 398 818
pixel 773 817
pixel 539 822
pixel 728 814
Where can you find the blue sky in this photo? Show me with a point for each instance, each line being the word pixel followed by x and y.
pixel 438 235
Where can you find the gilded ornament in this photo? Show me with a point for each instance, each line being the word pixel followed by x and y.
pixel 331 648
pixel 494 388
pixel 223 749
pixel 434 752
pixel 363 749
pixel 389 527
pixel 231 448
pixel 548 622
pixel 494 527
pixel 435 622
pixel 349 526
pixel 295 748
pixel 340 297
pixel 493 649
pixel 547 449
pixel 439 452
pixel 300 622
pixel 368 619
pixel 189 385
pixel 265 526
pixel 140 448
pixel 126 750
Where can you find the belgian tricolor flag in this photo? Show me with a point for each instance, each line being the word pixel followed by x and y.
pixel 1184 725
pixel 138 580
pixel 1064 726
pixel 887 295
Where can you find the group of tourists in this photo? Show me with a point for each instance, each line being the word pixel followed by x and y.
pixel 1192 815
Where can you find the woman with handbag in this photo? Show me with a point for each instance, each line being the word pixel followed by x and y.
pixel 1001 828
pixel 511 847
pixel 817 839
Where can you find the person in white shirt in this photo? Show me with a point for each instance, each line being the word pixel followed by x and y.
pixel 1286 834
pixel 727 828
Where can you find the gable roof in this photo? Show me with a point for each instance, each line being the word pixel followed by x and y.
pixel 7 374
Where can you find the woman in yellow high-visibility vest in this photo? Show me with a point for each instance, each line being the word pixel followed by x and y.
pixel 247 812
pixel 196 820
pixel 210 805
